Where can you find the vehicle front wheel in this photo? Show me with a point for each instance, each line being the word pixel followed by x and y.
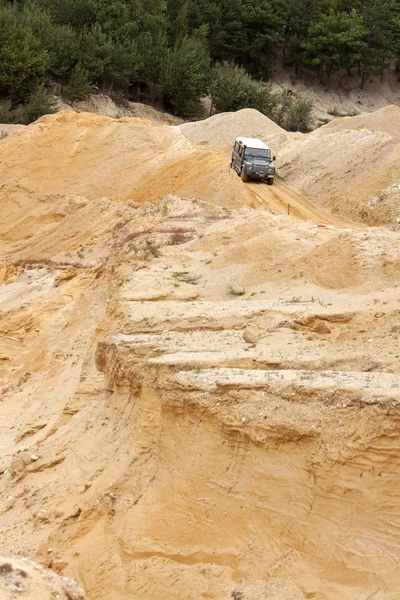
pixel 244 176
pixel 270 181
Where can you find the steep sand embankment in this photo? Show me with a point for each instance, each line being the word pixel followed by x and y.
pixel 347 162
pixel 199 399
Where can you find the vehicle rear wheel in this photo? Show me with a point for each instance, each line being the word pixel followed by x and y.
pixel 244 177
pixel 270 181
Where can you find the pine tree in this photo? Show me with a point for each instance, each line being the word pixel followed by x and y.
pixel 334 41
pixel 23 62
pixel 79 86
pixel 382 19
pixel 185 76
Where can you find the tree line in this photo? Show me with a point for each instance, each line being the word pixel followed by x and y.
pixel 175 51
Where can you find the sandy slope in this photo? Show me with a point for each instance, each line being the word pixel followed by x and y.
pixel 340 166
pixel 344 164
pixel 101 104
pixel 146 448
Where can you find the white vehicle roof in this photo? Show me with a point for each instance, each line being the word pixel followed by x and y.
pixel 252 143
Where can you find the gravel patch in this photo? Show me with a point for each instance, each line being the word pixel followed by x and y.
pixel 222 129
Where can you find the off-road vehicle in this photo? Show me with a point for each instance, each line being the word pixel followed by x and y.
pixel 252 159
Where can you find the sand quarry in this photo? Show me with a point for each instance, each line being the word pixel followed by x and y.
pixel 200 394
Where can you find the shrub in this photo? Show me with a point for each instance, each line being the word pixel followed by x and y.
pixel 335 111
pixel 5 112
pixel 231 88
pixel 178 238
pixel 39 104
pixel 294 112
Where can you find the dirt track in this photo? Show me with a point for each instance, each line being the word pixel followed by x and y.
pixel 287 201
pixel 213 163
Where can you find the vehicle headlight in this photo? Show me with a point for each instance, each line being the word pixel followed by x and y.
pixel 248 166
pixel 271 169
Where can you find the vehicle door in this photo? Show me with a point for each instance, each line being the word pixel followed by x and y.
pixel 236 156
pixel 240 157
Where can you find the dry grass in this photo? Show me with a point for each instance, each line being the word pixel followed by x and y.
pixel 133 236
pixel 178 238
pixel 153 249
pixel 175 230
pixel 35 263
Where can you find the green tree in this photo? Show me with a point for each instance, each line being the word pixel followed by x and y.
pixel 231 89
pixel 263 25
pixel 96 50
pixel 60 42
pixel 122 68
pixel 247 32
pixel 204 12
pixel 227 37
pixel 298 14
pixel 185 76
pixel 6 114
pixel 152 56
pixel 382 20
pixel 38 104
pixel 79 86
pixel 78 14
pixel 178 19
pixel 23 62
pixel 335 41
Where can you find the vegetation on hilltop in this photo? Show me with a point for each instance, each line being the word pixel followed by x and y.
pixel 175 51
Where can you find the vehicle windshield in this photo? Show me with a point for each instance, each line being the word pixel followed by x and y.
pixel 258 153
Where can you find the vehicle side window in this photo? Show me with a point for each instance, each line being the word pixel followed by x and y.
pixel 236 147
pixel 240 151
